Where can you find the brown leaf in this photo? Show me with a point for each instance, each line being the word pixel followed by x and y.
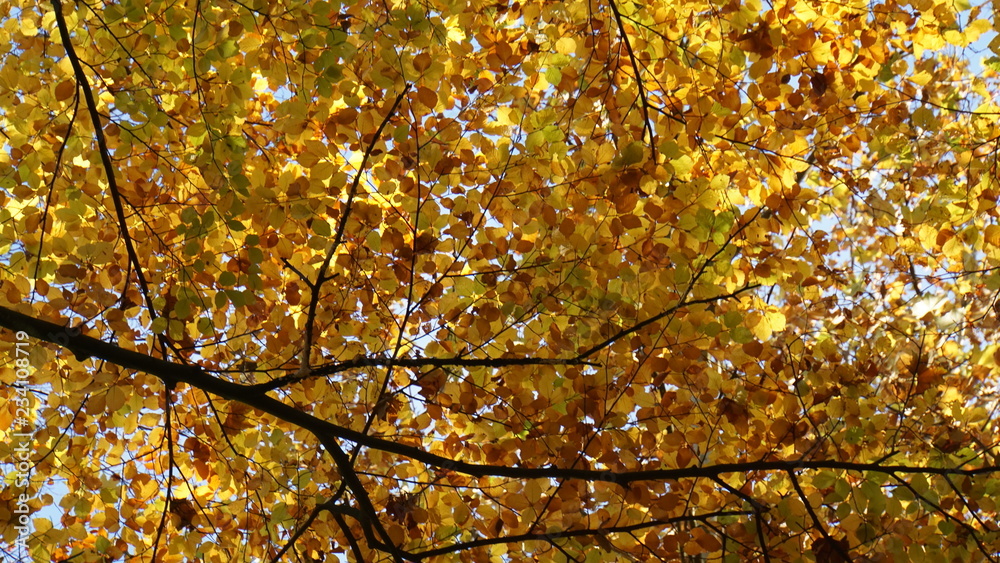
pixel 65 90
pixel 185 510
pixel 422 62
pixel 427 97
pixel 819 84
pixel 830 551
pixel 757 40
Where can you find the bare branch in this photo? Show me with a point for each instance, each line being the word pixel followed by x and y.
pixel 647 124
pixel 102 145
pixel 833 543
pixel 172 373
pixel 338 238
pixel 356 363
pixel 552 536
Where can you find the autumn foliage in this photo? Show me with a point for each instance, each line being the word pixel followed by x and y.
pixel 593 280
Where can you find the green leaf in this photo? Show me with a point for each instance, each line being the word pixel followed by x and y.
pixel 741 335
pixel 633 153
pixel 553 76
pixel 228 48
pixel 993 63
pixel 321 228
pixel 240 182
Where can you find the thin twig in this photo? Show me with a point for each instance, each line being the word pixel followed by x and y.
pixel 321 276
pixel 647 125
pixel 816 521
pixel 356 363
pixel 102 145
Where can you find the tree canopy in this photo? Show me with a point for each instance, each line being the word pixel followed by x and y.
pixel 591 280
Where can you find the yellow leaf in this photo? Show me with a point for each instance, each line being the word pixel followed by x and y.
pixel 28 27
pixel 566 46
pixel 115 398
pixel 682 166
pixel 992 235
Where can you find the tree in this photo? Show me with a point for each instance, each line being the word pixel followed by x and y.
pixel 555 281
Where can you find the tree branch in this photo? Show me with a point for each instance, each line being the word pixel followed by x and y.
pixel 646 122
pixel 356 363
pixel 369 517
pixel 171 373
pixel 338 510
pixel 627 331
pixel 552 536
pixel 109 169
pixel 338 238
pixel 834 544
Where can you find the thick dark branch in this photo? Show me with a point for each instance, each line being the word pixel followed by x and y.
pixel 351 541
pixel 102 145
pixel 761 536
pixel 369 516
pixel 331 506
pixel 171 373
pixel 356 363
